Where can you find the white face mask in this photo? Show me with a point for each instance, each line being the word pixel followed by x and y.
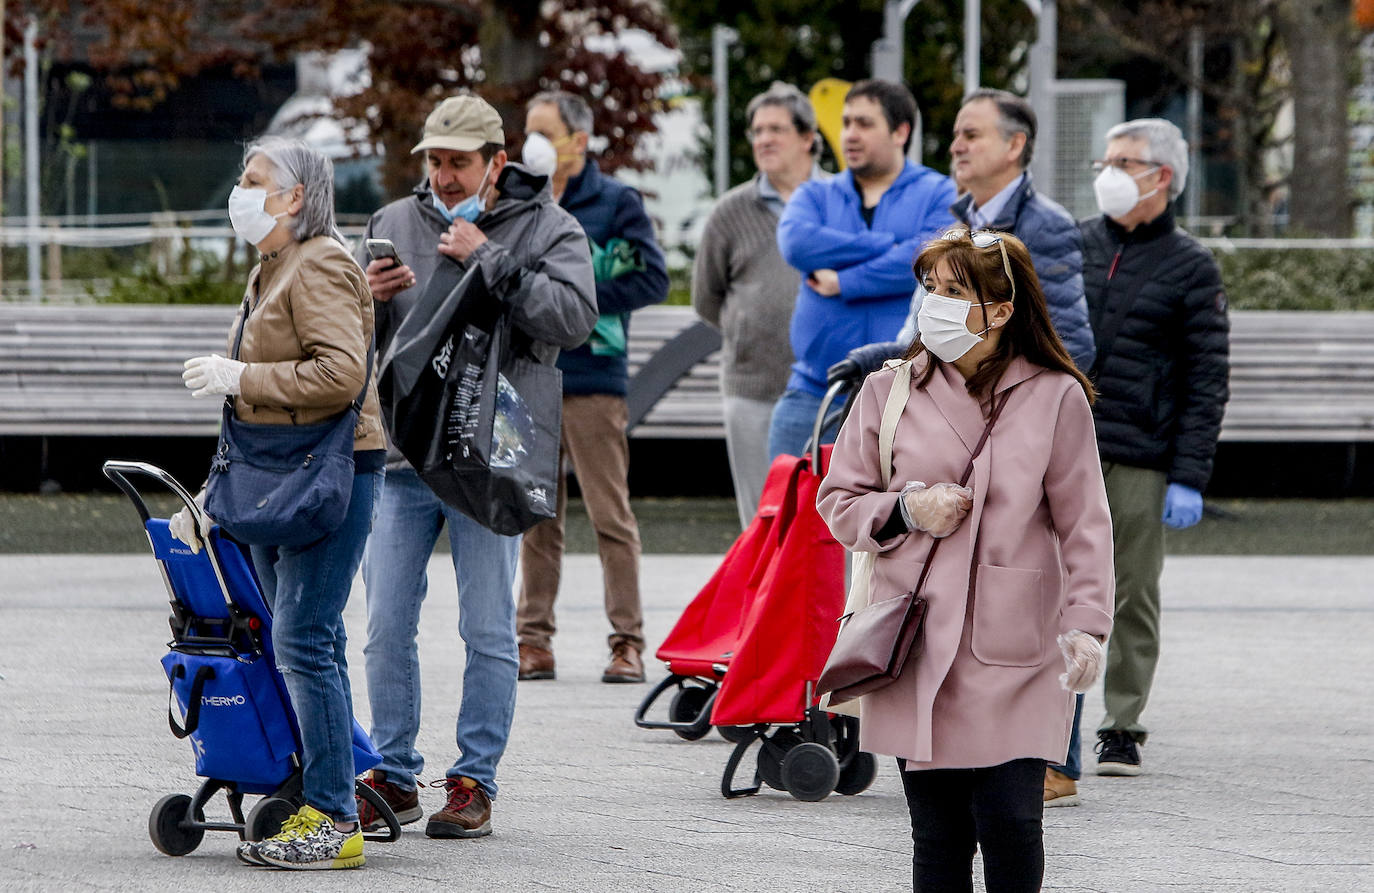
pixel 248 216
pixel 1116 191
pixel 539 154
pixel 943 325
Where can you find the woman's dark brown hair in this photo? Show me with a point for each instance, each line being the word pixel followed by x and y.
pixel 1028 333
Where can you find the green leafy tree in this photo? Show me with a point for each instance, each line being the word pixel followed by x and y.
pixel 803 42
pixel 418 51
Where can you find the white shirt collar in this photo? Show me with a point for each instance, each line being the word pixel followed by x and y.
pixel 983 217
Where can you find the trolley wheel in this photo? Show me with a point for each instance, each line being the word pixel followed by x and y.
pixel 858 774
pixel 686 706
pixel 267 817
pixel 167 829
pixel 773 749
pixel 735 734
pixel 810 771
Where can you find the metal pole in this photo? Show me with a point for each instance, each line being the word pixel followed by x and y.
pixel 31 157
pixel 3 81
pixel 721 38
pixel 1042 76
pixel 1193 202
pixel 973 44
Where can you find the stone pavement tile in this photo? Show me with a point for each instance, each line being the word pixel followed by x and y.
pixel 1256 775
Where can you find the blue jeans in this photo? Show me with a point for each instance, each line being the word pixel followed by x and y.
pixel 394 569
pixel 306 588
pixel 794 417
pixel 1073 766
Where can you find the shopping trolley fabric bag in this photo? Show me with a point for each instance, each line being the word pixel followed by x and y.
pixel 237 717
pixel 470 406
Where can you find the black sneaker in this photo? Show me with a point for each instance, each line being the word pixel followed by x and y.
pixel 1117 753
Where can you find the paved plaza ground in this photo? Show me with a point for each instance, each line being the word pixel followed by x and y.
pixel 1259 775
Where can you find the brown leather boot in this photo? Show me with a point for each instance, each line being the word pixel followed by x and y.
pixel 535 663
pixel 466 814
pixel 406 804
pixel 625 665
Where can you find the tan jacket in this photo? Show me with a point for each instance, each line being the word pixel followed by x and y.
pixel 306 340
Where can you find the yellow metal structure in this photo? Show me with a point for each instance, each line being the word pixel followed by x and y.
pixel 827 98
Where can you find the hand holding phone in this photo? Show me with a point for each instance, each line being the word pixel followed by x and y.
pixel 386 275
pixel 379 249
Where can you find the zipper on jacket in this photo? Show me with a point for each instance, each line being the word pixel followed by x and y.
pixel 1116 263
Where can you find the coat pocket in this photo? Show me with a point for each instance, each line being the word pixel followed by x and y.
pixel 1009 616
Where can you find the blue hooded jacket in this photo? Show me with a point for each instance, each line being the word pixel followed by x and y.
pixel 823 228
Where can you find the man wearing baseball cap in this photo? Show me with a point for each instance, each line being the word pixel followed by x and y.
pixel 474 206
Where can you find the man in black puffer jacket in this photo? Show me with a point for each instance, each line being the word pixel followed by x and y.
pixel 1158 313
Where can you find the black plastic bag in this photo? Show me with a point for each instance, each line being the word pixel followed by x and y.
pixel 470 407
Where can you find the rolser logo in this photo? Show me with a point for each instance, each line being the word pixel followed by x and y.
pixel 538 496
pixel 223 701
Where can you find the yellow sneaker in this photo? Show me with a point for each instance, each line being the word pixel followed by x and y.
pixel 309 841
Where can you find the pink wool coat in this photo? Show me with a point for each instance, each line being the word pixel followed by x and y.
pixel 1032 559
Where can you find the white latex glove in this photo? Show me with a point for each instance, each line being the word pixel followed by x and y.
pixel 1083 656
pixel 182 526
pixel 212 376
pixel 938 509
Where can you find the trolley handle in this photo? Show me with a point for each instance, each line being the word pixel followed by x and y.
pixel 117 469
pixel 824 419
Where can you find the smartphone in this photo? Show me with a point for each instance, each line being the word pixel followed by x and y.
pixel 383 248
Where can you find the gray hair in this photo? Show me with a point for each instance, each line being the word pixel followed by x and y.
pixel 794 101
pixel 1014 115
pixel 295 162
pixel 1164 145
pixel 573 109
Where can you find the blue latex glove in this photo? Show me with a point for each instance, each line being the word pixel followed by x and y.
pixel 1182 507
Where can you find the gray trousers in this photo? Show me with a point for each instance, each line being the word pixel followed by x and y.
pixel 746 441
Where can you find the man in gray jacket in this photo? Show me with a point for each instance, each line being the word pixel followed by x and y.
pixel 742 286
pixel 474 207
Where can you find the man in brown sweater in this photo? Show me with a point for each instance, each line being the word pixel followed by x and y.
pixel 741 284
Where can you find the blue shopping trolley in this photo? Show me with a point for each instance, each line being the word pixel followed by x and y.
pixel 226 695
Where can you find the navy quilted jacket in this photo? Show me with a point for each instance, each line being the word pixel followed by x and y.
pixel 1056 249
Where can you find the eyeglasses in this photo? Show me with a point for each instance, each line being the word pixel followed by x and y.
pixel 1121 164
pixel 986 238
pixel 754 133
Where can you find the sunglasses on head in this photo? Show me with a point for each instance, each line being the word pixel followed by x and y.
pixel 985 238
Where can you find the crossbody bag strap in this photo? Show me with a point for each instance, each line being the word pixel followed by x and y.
pixel 963 481
pixel 892 413
pixel 357 403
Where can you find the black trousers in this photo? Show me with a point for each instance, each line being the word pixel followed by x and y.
pixel 955 811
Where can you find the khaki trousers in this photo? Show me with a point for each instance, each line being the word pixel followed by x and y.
pixel 594 441
pixel 1136 498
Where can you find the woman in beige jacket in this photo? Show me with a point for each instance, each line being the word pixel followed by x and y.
pixel 1023 586
pixel 307 331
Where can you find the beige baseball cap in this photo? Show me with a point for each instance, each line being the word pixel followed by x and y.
pixel 463 124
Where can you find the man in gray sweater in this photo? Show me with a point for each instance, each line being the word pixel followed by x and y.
pixel 741 284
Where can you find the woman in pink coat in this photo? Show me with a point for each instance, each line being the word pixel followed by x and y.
pixel 1021 589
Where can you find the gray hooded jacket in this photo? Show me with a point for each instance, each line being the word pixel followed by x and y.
pixel 524 228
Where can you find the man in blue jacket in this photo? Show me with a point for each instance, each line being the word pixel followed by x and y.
pixel 853 238
pixel 630 273
pixel 994 138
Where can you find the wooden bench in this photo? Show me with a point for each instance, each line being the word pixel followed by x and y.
pixel 116 370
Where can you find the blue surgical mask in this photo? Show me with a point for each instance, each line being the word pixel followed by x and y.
pixel 469 208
